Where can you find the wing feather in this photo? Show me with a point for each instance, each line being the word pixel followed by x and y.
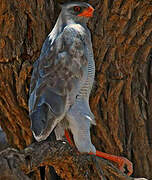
pixel 62 68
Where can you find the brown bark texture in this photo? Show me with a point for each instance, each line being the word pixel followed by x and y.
pixel 66 161
pixel 121 99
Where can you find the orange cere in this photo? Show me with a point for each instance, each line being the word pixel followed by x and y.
pixel 88 12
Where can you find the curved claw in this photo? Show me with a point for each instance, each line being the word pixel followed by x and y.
pixel 122 162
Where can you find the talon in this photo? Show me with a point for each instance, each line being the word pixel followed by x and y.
pixel 122 162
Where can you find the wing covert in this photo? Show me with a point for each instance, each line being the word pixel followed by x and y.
pixel 62 68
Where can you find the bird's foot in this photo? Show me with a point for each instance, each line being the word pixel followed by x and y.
pixel 121 161
pixel 125 163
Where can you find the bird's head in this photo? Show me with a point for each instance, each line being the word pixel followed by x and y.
pixel 78 11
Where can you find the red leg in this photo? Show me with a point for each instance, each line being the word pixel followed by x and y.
pixel 121 161
pixel 67 135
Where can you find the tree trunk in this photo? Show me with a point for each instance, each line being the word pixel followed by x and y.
pixel 121 99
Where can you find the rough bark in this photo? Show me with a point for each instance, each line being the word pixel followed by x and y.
pixel 121 99
pixel 24 25
pixel 66 161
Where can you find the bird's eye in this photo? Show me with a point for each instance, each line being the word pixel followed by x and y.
pixel 77 8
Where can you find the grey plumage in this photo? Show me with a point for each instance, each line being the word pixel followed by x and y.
pixel 62 80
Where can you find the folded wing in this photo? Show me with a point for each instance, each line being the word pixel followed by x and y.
pixel 57 76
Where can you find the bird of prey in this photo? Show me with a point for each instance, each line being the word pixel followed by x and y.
pixel 62 80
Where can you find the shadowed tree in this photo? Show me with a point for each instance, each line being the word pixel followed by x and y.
pixel 121 99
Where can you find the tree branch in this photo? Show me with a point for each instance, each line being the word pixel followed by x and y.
pixel 68 163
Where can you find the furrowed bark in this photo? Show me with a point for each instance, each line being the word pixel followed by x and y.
pixel 121 98
pixel 68 163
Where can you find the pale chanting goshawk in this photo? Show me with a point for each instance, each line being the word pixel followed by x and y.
pixel 62 80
